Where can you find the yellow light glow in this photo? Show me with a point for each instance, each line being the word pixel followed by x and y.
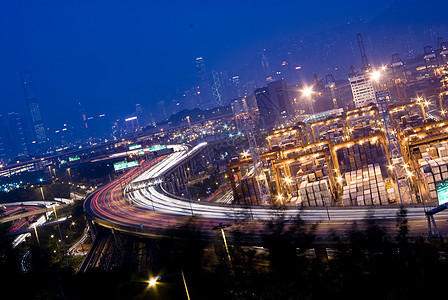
pixel 308 91
pixel 375 75
pixel 152 281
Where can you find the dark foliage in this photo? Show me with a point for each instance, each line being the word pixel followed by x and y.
pixel 291 264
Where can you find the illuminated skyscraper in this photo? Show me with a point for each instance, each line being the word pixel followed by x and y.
pixel 205 90
pixel 362 89
pixel 34 110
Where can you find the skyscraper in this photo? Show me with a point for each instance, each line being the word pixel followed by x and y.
pixel 205 90
pixel 279 95
pixel 266 70
pixel 34 110
pixel 4 141
pixel 17 132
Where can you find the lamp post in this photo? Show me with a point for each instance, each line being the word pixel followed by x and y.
pixel 155 280
pixel 60 234
pixel 307 92
pixel 43 197
pixel 37 236
pixel 221 227
pixel 70 182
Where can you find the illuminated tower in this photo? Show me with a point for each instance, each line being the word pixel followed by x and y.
pixel 205 90
pixel 34 110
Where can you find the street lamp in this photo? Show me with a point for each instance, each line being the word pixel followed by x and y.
pixel 69 175
pixel 43 197
pixel 375 75
pixel 221 227
pixel 37 236
pixel 307 92
pixel 155 280
pixel 60 233
pixel 422 105
pixel 280 198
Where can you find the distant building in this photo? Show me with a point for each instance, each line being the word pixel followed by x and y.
pixel 272 103
pixel 162 114
pixel 5 152
pixel 279 94
pixel 34 110
pixel 17 132
pixel 205 89
pixel 362 90
pixel 142 117
pixel 267 76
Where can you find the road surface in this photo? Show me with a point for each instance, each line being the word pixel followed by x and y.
pixel 152 211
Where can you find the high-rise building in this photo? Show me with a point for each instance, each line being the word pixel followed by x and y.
pixel 362 90
pixel 205 90
pixel 266 69
pixel 236 89
pixel 270 104
pixel 17 132
pixel 267 110
pixel 279 94
pixel 142 117
pixel 217 89
pixel 5 152
pixel 34 110
pixel 162 114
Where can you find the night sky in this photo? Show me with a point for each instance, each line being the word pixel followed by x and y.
pixel 110 55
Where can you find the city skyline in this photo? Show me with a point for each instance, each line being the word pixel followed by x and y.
pixel 102 71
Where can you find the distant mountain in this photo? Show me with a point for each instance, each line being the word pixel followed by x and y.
pixel 197 115
pixel 334 50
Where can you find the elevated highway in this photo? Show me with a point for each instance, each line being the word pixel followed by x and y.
pixel 152 211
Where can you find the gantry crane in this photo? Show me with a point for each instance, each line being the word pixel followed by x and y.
pixel 398 166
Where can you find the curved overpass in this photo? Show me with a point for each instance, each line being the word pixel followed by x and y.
pixel 152 211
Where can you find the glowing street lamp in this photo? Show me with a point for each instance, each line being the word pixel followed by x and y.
pixel 307 92
pixel 375 75
pixel 155 280
pixel 422 105
pixel 288 180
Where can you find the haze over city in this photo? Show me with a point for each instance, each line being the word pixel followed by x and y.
pixel 234 150
pixel 109 55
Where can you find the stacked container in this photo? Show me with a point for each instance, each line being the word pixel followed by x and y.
pixel 365 187
pixel 358 156
pixel 434 170
pixel 315 193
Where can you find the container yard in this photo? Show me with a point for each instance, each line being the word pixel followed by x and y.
pixel 370 156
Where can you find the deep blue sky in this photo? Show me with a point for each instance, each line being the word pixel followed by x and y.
pixel 111 55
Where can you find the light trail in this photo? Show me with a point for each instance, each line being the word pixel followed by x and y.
pixel 152 209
